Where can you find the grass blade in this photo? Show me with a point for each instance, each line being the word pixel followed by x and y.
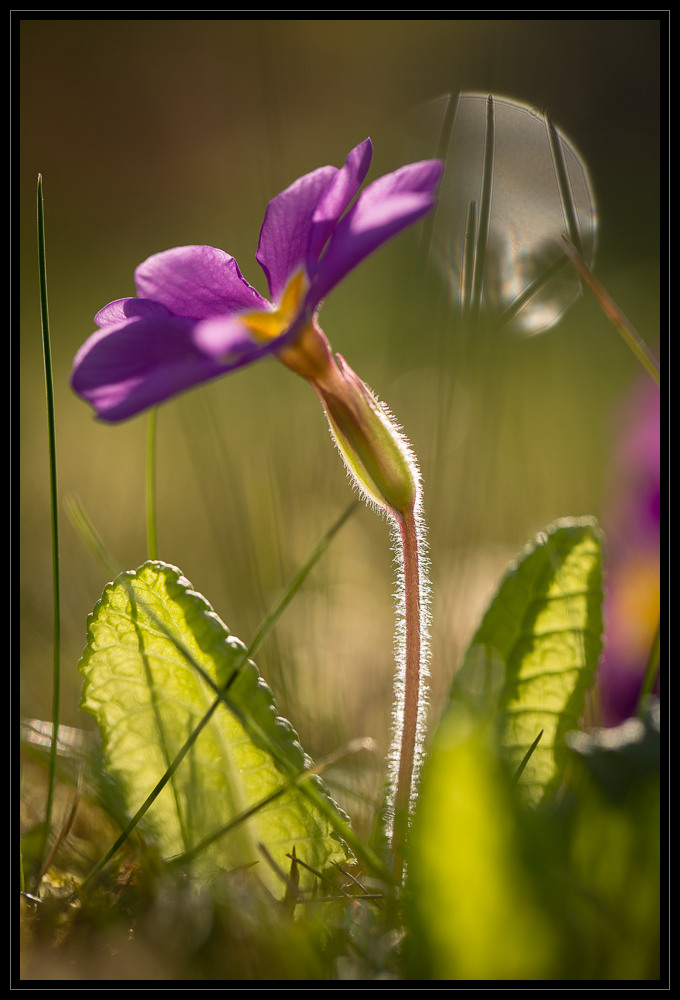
pixel 151 534
pixel 564 186
pixel 294 585
pixel 54 514
pixel 484 209
pixel 613 313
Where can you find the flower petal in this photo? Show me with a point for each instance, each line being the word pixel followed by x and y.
pixel 122 309
pixel 230 342
pixel 131 366
pixel 197 282
pixel 414 177
pixel 336 199
pixel 286 231
pixel 387 206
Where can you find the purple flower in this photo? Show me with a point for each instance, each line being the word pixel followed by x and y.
pixel 196 317
pixel 633 526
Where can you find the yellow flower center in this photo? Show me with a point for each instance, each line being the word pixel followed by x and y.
pixel 267 324
pixel 308 354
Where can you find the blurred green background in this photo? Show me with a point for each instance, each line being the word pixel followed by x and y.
pixel 151 134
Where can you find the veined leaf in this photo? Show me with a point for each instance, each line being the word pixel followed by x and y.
pixel 538 646
pixel 157 655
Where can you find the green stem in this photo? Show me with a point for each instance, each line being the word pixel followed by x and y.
pixel 54 517
pixel 151 536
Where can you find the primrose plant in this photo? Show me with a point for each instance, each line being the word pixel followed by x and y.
pixel 196 318
pixel 194 750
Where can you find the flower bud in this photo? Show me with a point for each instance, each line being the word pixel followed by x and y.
pixel 374 450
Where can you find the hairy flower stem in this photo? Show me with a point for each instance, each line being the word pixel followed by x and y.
pixel 408 739
pixel 382 465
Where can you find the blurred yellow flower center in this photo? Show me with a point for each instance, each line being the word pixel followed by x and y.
pixel 267 324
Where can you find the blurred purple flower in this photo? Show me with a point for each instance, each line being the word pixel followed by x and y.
pixel 633 526
pixel 196 317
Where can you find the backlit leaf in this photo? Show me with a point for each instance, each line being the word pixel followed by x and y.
pixel 542 635
pixel 155 656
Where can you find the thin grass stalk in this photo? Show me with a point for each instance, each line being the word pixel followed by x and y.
pixel 482 233
pixel 295 583
pixel 651 672
pixel 54 518
pixel 151 533
pixel 564 186
pixel 613 313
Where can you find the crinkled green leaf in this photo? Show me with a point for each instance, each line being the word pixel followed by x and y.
pixel 154 645
pixel 538 647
